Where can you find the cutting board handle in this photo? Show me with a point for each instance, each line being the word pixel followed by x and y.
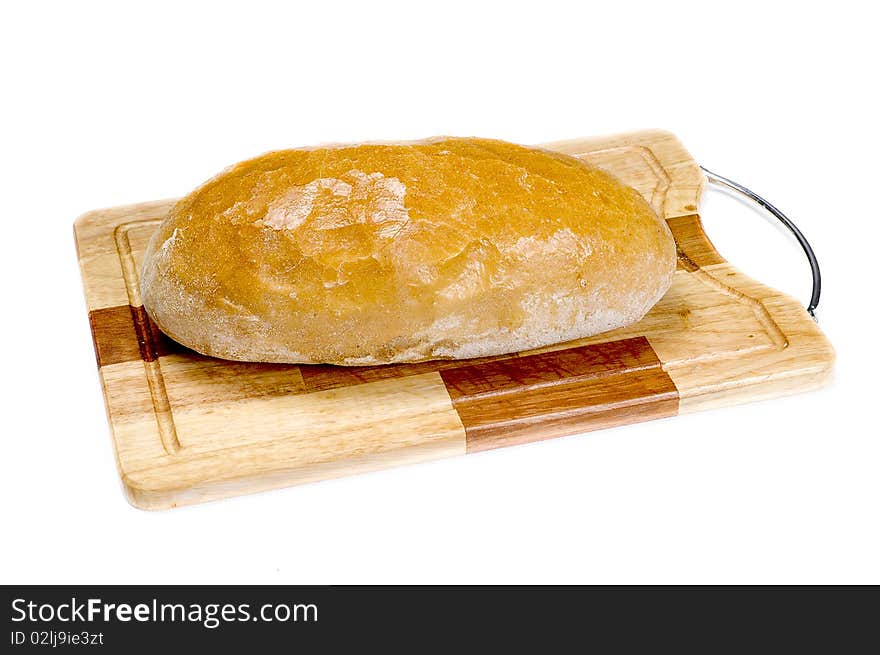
pixel 730 185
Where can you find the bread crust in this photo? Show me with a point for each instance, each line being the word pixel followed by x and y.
pixel 384 253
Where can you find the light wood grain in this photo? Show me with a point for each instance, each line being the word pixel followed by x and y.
pixel 188 428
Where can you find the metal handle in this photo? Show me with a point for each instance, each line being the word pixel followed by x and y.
pixel 718 180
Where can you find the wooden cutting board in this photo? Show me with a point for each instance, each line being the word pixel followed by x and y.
pixel 189 428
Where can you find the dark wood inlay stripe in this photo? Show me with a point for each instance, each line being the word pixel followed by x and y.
pixel 546 369
pixel 127 334
pixel 114 335
pixel 695 249
pixel 553 394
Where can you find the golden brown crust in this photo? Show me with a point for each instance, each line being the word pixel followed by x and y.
pixel 369 254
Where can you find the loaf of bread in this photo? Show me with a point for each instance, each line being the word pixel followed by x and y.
pixel 374 254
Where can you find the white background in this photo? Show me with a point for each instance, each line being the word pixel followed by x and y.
pixel 115 103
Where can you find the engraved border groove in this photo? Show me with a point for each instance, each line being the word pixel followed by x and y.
pixel 149 354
